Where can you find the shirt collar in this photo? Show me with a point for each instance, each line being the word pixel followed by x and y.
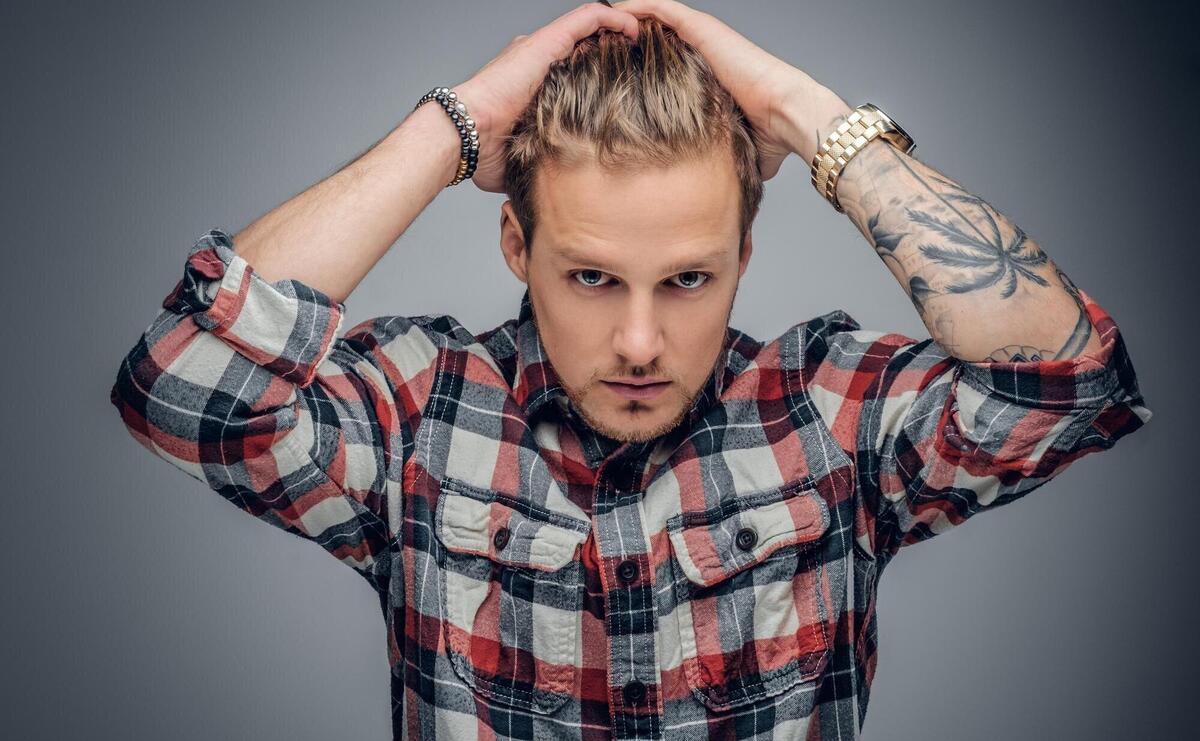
pixel 537 386
pixel 536 381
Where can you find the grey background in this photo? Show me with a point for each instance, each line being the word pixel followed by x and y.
pixel 139 605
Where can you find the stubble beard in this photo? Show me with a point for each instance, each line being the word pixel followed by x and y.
pixel 635 407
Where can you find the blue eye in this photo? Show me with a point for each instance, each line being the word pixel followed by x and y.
pixel 702 277
pixel 587 284
pixel 694 279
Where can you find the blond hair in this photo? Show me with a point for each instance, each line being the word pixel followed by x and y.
pixel 626 104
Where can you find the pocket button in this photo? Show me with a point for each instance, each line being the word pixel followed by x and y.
pixel 746 538
pixel 500 539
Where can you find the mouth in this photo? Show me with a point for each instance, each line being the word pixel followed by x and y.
pixel 640 390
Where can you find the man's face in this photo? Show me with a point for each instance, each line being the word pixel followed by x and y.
pixel 632 277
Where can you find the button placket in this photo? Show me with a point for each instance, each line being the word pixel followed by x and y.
pixel 634 692
pixel 631 616
pixel 627 571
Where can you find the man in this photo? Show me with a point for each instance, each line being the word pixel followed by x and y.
pixel 615 515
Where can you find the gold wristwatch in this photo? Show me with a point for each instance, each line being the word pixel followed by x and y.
pixel 862 125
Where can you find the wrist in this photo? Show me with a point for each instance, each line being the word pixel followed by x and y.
pixel 429 123
pixel 807 115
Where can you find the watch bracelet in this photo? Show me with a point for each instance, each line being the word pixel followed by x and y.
pixel 862 126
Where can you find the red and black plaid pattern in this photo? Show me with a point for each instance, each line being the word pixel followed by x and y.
pixel 539 580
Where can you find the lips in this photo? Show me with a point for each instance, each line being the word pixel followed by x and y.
pixel 639 381
pixel 637 391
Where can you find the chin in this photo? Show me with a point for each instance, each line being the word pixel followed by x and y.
pixel 647 423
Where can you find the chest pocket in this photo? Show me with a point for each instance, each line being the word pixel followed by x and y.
pixel 752 595
pixel 511 596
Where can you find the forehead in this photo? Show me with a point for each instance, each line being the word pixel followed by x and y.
pixel 693 201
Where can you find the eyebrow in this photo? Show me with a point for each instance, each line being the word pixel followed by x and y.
pixel 712 258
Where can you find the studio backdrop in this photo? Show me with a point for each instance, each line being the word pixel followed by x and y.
pixel 140 605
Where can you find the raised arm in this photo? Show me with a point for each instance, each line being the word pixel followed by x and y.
pixel 985 290
pixel 243 380
pixel 1024 373
pixel 331 235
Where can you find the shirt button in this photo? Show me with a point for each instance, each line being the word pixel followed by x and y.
pixel 500 539
pixel 746 538
pixel 627 571
pixel 634 692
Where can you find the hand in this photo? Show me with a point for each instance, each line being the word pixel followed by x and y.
pixel 501 90
pixel 783 104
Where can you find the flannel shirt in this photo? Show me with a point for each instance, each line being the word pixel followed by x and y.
pixel 541 581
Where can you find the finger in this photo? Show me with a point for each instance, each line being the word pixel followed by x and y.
pixel 714 39
pixel 671 13
pixel 693 26
pixel 586 19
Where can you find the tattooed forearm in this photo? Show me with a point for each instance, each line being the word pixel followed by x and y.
pixel 984 289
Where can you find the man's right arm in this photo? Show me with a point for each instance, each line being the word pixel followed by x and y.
pixel 243 382
pixel 331 235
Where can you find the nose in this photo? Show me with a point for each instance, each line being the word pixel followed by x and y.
pixel 639 338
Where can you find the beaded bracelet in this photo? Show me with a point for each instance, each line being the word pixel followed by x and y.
pixel 457 111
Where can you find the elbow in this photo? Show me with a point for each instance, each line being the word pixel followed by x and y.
pixel 129 397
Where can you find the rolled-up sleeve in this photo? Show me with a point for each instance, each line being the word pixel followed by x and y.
pixel 286 327
pixel 940 439
pixel 246 386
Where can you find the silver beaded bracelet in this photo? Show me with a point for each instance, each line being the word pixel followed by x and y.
pixel 457 110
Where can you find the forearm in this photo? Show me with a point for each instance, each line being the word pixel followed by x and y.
pixel 983 288
pixel 332 234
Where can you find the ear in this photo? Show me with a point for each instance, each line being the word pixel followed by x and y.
pixel 744 252
pixel 512 243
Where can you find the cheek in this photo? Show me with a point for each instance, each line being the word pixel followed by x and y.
pixel 699 322
pixel 696 341
pixel 574 352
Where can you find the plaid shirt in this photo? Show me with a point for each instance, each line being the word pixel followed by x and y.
pixel 539 580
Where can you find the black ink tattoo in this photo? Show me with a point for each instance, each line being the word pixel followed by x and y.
pixel 975 249
pixel 988 253
pixel 1074 345
pixel 919 291
pixel 1082 332
pixel 941 328
pixel 997 260
pixel 885 242
pixel 1019 354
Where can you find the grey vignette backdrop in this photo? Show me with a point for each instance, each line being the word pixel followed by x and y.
pixel 140 605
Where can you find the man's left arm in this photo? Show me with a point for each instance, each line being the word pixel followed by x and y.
pixel 983 288
pixel 1024 373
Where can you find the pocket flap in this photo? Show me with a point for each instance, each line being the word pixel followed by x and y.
pixel 710 550
pixel 467 525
